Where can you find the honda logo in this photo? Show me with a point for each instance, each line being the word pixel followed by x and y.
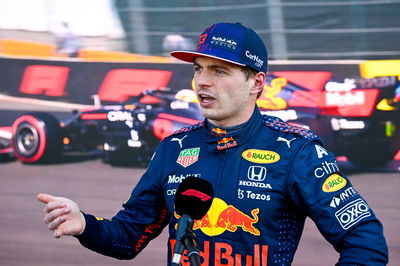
pixel 257 173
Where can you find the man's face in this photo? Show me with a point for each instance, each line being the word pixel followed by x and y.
pixel 225 95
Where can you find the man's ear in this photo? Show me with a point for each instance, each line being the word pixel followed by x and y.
pixel 259 81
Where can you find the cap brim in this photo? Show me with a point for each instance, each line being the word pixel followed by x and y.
pixel 189 57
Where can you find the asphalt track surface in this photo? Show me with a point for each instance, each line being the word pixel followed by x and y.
pixel 101 189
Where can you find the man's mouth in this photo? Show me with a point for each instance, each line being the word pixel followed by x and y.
pixel 205 99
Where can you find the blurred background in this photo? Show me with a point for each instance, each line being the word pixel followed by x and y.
pixel 334 67
pixel 291 29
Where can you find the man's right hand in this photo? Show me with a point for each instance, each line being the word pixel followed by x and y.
pixel 62 215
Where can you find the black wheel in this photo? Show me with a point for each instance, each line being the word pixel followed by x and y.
pixel 37 138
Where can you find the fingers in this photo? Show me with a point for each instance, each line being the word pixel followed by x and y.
pixel 45 198
pixel 52 205
pixel 56 223
pixel 55 214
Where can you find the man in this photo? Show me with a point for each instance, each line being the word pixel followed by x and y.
pixel 267 175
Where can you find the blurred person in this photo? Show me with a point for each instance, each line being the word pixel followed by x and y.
pixel 267 175
pixel 176 41
pixel 68 43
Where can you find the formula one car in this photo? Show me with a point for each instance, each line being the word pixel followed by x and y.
pixel 127 133
pixel 356 117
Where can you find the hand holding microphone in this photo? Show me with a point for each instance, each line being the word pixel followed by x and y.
pixel 192 201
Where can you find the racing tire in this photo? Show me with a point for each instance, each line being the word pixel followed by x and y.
pixel 37 138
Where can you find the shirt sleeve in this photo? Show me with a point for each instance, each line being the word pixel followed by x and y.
pixel 342 215
pixel 142 218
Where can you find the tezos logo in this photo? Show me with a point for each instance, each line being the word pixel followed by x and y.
pixel 260 156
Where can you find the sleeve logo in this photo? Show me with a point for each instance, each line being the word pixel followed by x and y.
pixel 333 183
pixel 352 213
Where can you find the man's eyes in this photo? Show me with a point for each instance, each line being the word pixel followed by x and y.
pixel 197 68
pixel 217 71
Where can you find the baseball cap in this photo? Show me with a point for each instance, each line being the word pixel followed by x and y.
pixel 231 42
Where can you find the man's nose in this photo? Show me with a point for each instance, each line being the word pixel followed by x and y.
pixel 202 80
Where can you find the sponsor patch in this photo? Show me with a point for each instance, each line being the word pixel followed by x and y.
pixel 260 156
pixel 220 41
pixel 188 156
pixel 218 131
pixel 226 143
pixel 287 141
pixel 344 196
pixel 249 194
pixel 321 152
pixel 334 183
pixel 256 173
pixel 222 217
pixel 176 179
pixel 179 140
pixel 326 168
pixel 352 213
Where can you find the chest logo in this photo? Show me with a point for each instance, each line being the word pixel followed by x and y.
pixel 179 140
pixel 257 173
pixel 287 141
pixel 260 156
pixel 188 156
pixel 222 217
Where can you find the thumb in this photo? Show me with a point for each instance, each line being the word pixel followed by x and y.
pixel 45 198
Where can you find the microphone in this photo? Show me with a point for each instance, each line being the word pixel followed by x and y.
pixel 193 199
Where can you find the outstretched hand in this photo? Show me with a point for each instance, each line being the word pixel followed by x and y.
pixel 62 215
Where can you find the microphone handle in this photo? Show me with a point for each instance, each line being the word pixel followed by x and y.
pixel 185 225
pixel 193 253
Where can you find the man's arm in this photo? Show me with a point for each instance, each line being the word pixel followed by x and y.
pixel 342 215
pixel 125 235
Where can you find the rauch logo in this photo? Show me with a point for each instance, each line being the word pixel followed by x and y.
pixel 333 183
pixel 260 156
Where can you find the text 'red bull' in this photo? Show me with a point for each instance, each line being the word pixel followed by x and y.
pixel 224 255
pixel 226 143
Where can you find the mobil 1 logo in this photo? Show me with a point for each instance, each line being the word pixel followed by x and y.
pixel 352 213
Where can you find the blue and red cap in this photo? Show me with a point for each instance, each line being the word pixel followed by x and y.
pixel 231 42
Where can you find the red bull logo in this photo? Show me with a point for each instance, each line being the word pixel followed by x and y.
pixel 224 140
pixel 218 131
pixel 220 253
pixel 222 217
pixel 226 143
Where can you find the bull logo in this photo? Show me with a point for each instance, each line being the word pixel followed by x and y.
pixel 222 217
